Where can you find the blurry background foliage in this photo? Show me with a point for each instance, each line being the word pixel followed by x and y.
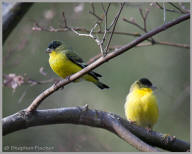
pixel 167 67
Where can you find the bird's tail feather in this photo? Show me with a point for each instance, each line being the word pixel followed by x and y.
pixel 94 74
pixel 97 74
pixel 101 85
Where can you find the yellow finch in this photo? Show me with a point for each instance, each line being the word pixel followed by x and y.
pixel 65 62
pixel 141 105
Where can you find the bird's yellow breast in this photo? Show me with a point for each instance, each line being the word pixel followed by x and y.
pixel 64 67
pixel 61 65
pixel 141 107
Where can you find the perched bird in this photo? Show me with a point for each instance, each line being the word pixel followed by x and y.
pixel 141 105
pixel 65 62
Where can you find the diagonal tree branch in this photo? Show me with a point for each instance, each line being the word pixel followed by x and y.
pixel 95 118
pixel 37 101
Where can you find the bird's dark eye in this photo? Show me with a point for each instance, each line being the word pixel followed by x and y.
pixel 146 82
pixel 54 44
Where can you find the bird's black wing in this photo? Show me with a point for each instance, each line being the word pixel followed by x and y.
pixel 71 55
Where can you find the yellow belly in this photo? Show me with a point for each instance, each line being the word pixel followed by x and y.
pixel 141 107
pixel 63 67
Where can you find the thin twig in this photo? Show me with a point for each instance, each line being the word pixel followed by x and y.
pixel 93 7
pixel 88 35
pixel 158 43
pixel 175 6
pixel 106 29
pixel 169 10
pixel 102 6
pixel 144 17
pixel 64 20
pixel 184 8
pixel 91 36
pixel 141 13
pixel 173 44
pixel 99 18
pixel 115 22
pixel 93 12
pixel 35 82
pixel 133 23
pixel 138 45
pixel 164 13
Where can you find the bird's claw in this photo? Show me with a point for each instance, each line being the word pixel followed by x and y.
pixel 168 138
pixel 62 88
pixel 104 53
pixel 68 78
pixel 149 130
pixel 132 122
pixel 56 82
pixel 85 107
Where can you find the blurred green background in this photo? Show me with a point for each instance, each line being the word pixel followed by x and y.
pixel 167 67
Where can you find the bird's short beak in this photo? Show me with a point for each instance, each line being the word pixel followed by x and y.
pixel 48 50
pixel 153 87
